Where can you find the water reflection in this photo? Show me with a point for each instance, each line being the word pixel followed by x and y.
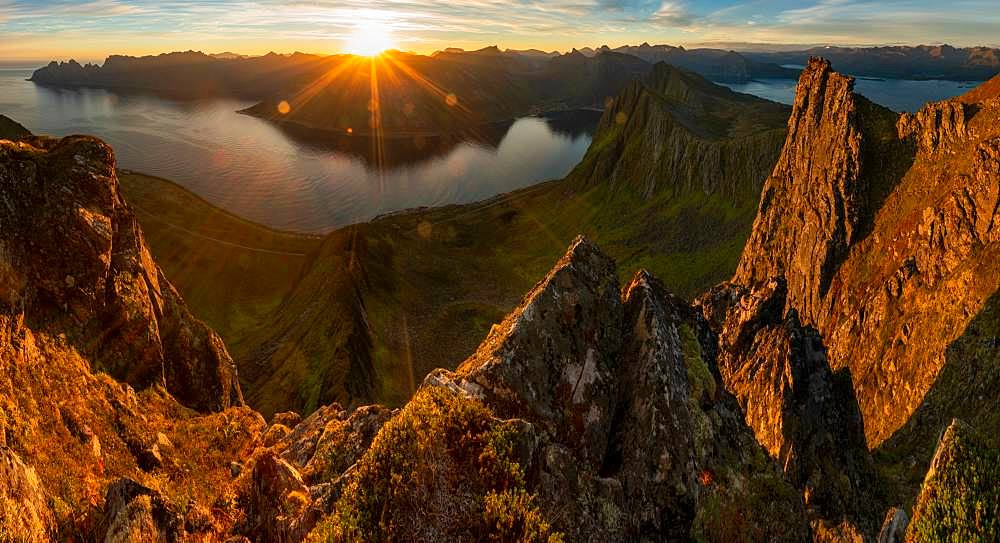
pixel 288 178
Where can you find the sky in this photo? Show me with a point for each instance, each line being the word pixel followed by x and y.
pixel 34 30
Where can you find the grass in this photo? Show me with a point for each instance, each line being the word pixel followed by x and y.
pixel 960 501
pixel 231 272
pixel 428 284
pixel 376 306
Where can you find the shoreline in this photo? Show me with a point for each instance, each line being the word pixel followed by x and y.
pixel 402 135
pixel 222 210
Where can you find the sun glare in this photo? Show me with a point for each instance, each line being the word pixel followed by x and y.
pixel 369 39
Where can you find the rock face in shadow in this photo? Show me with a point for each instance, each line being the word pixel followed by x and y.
pixel 553 360
pixel 800 411
pixel 74 262
pixel 885 229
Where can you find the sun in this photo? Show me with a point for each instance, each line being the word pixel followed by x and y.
pixel 369 39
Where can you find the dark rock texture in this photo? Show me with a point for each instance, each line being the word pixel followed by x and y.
pixel 134 512
pixel 885 230
pixel 74 262
pixel 552 360
pixel 665 452
pixel 801 412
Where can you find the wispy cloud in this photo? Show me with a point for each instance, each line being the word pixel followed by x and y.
pixel 107 26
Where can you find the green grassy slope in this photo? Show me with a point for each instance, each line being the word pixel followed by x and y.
pixel 380 304
pixel 231 271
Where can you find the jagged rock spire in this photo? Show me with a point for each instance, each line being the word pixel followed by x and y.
pixel 813 201
pixel 73 261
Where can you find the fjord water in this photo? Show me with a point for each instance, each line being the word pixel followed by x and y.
pixel 285 180
pixel 895 94
pixel 254 169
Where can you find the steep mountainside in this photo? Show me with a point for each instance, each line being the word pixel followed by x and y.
pixel 89 278
pixel 81 304
pixel 404 294
pixel 676 129
pixel 11 129
pixel 887 239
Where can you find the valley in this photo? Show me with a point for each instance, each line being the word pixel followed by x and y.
pixel 724 318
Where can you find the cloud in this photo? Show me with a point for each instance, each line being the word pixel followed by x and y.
pixel 121 25
pixel 673 13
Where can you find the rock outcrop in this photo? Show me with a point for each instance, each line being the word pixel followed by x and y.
pixel 813 201
pixel 74 263
pixel 81 302
pixel 801 412
pixel 25 514
pixel 885 229
pixel 620 426
pixel 134 513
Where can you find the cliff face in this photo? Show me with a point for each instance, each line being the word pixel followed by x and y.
pixel 811 205
pixel 804 414
pixel 675 132
pixel 82 303
pixel 884 228
pixel 88 275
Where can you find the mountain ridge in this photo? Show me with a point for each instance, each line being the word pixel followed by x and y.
pixel 590 409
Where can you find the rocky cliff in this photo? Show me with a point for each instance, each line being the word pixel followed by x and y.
pixel 88 277
pixel 102 363
pixel 884 228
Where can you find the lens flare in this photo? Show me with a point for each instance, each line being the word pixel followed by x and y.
pixel 369 39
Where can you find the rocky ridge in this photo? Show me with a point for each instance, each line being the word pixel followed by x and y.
pixel 675 132
pixel 883 226
pixel 589 412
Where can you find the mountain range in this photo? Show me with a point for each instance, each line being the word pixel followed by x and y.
pixel 898 62
pixel 841 263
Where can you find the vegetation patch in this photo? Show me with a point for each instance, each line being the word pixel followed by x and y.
pixel 442 469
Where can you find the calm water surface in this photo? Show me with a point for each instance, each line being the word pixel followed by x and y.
pixel 269 175
pixel 895 94
pixel 277 177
